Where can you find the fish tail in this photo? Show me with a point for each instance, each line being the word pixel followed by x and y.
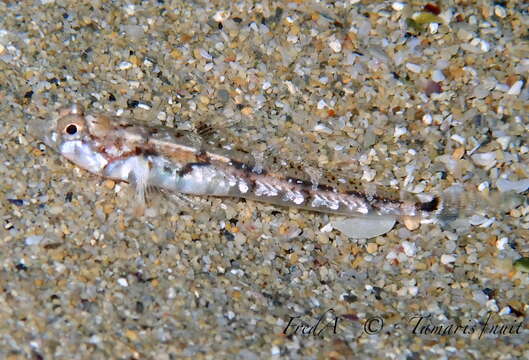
pixel 457 202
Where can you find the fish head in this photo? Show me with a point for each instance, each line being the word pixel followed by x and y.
pixel 69 132
pixel 66 124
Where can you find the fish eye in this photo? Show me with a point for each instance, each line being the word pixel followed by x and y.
pixel 71 129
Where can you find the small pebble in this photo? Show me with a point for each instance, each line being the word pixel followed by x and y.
pixel 221 16
pixel 411 222
pixel 144 106
pixel 335 45
pixel 486 160
pixel 409 248
pixel 124 65
pixel 492 306
pixel 501 243
pixel 464 35
pixel 372 248
pixel 458 153
pixel 500 11
pixel 433 27
pixel 326 228
pixel 484 45
pixel 506 310
pixel 247 111
pixel 364 228
pixel 483 186
pixel 275 351
pixel 399 131
pixel 427 119
pixel 438 76
pixel 109 184
pixel 519 186
pixel 516 88
pixel 460 139
pixel 447 259
pixel 33 240
pixel 397 6
pixel 504 141
pixel 414 67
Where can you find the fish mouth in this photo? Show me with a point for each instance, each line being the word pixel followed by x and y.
pixel 43 130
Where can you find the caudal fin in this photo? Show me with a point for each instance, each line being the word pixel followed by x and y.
pixel 458 202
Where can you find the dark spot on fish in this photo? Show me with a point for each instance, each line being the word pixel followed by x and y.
pixel 307 195
pixel 299 182
pixel 111 97
pixel 430 205
pixel 187 168
pixel 239 165
pixel 149 152
pixel 144 151
pixel 238 20
pixel 324 187
pixel 29 94
pixel 153 131
pixel 355 193
pixel 69 196
pixel 251 185
pixel 202 156
pixel 220 26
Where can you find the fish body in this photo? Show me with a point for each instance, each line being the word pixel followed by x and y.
pixel 164 158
